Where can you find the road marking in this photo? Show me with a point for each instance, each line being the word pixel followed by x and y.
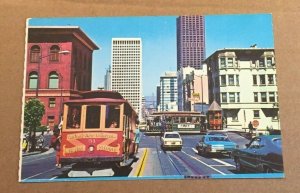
pixel 195 150
pixel 26 162
pixel 39 174
pixel 204 163
pixel 222 162
pixel 53 178
pixel 141 166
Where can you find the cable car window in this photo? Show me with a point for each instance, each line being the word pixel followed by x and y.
pixel 74 117
pixel 112 119
pixel 92 117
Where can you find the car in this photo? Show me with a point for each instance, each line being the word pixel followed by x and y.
pixel 143 126
pixel 263 154
pixel 171 140
pixel 209 144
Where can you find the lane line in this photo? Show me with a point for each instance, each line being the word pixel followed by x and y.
pixel 39 174
pixel 144 163
pixel 204 163
pixel 217 160
pixel 222 162
pixel 195 150
pixel 138 170
pixel 54 178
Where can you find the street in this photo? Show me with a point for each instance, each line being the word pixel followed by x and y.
pixel 152 161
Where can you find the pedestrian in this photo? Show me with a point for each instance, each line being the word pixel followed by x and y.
pixel 250 126
pixel 55 143
pixel 137 139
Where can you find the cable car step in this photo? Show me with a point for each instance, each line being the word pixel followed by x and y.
pixel 127 162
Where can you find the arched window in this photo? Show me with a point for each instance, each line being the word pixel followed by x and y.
pixel 54 53
pixel 53 80
pixel 33 80
pixel 35 53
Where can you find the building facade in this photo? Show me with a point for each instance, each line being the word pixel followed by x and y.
pixel 168 92
pixel 192 89
pixel 58 66
pixel 190 41
pixel 127 70
pixel 244 83
pixel 107 79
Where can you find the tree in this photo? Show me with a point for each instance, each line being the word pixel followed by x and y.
pixel 33 113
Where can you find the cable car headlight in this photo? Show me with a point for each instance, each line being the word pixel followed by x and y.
pixel 91 148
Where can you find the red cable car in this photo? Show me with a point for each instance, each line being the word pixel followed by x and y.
pixel 98 130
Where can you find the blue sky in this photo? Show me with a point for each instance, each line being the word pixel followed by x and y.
pixel 158 35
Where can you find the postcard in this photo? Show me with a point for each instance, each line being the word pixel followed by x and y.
pixel 150 97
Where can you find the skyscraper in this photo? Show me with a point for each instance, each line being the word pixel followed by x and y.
pixel 127 70
pixel 190 41
pixel 107 79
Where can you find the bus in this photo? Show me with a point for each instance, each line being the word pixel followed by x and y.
pixel 181 121
pixel 98 131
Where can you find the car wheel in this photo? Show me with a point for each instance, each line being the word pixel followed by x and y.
pixel 238 165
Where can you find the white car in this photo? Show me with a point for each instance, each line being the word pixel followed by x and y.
pixel 171 140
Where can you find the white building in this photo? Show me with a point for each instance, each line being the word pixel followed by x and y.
pixel 107 79
pixel 192 89
pixel 127 70
pixel 168 92
pixel 243 82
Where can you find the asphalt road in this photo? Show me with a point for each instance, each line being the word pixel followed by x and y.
pixel 157 163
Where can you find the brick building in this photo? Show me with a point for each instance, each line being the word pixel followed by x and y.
pixel 58 66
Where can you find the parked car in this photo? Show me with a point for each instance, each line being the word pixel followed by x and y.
pixel 215 144
pixel 171 140
pixel 262 154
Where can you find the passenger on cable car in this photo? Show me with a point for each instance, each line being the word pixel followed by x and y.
pixel 113 124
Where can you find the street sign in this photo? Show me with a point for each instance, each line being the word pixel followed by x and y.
pixel 255 123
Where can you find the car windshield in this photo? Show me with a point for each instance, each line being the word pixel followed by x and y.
pixel 218 139
pixel 277 142
pixel 172 135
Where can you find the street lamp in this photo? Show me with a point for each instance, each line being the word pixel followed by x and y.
pixel 63 52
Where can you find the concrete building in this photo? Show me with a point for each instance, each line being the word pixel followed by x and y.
pixel 126 65
pixel 243 82
pixel 58 65
pixel 107 79
pixel 192 89
pixel 168 92
pixel 190 41
pixel 157 96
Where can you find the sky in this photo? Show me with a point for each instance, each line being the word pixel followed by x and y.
pixel 158 35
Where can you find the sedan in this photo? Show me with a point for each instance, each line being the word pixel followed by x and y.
pixel 263 154
pixel 215 144
pixel 171 140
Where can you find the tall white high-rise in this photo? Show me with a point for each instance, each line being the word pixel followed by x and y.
pixel 126 65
